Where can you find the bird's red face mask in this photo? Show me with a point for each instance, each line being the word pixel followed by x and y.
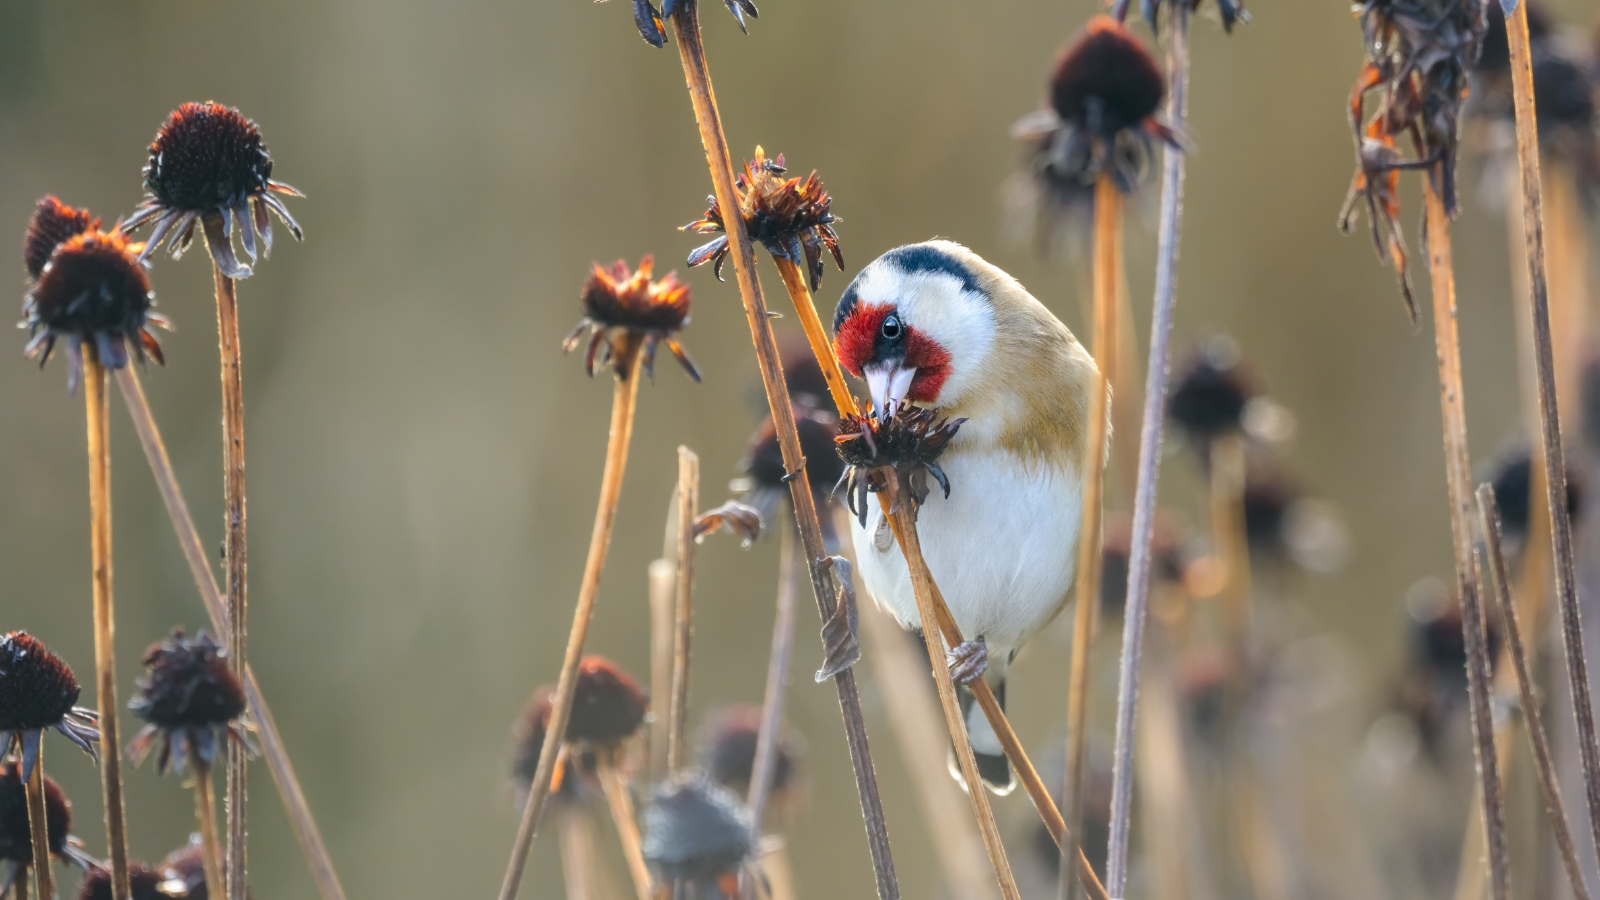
pixel 898 361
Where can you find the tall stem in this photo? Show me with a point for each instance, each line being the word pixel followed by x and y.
pixel 1150 434
pixel 922 587
pixel 683 609
pixel 1492 809
pixel 205 814
pixel 691 51
pixel 1107 252
pixel 97 409
pixel 624 401
pixel 615 788
pixel 38 834
pixel 764 764
pixel 1555 466
pixel 273 750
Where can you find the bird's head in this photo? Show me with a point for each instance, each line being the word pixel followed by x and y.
pixel 918 324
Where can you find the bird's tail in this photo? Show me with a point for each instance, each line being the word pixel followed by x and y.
pixel 994 770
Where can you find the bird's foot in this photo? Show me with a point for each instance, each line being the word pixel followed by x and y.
pixel 967 661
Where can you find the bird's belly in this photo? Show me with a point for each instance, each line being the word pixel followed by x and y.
pixel 1002 548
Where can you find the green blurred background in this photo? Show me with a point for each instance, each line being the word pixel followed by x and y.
pixel 423 461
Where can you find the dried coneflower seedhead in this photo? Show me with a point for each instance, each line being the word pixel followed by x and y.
pixel 697 832
pixel 1419 55
pixel 528 741
pixel 1231 11
pixel 183 872
pixel 626 313
pixel 16 840
pixel 92 291
pixel 146 883
pixel 728 751
pixel 1168 557
pixel 1211 392
pixel 37 692
pixel 654 30
pixel 209 166
pixel 1433 687
pixel 50 226
pixel 763 480
pixel 191 700
pixel 1511 474
pixel 791 217
pixel 608 706
pixel 894 456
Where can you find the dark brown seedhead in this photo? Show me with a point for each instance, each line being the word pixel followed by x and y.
pixel 1511 474
pixel 1169 558
pixel 191 699
pixel 578 775
pixel 37 688
pixel 894 456
pixel 1231 11
pixel 183 872
pixel 147 884
pixel 608 706
pixel 654 30
pixel 92 292
pixel 728 751
pixel 1211 392
pixel 696 831
pixel 791 217
pixel 51 225
pixel 16 843
pixel 626 313
pixel 209 166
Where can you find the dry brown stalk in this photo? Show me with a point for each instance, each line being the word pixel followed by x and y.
pixel 624 400
pixel 663 584
pixel 577 852
pixel 1499 580
pixel 205 815
pixel 235 559
pixel 615 787
pixel 761 769
pixel 922 587
pixel 1555 468
pixel 1492 808
pixel 39 833
pixel 312 847
pixel 691 52
pixel 1107 256
pixel 97 408
pixel 683 608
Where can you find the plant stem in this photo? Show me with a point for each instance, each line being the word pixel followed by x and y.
pixel 922 587
pixel 1555 467
pixel 764 764
pixel 1150 434
pixel 691 51
pixel 1499 579
pixel 97 409
pixel 1492 809
pixel 1107 251
pixel 624 401
pixel 273 750
pixel 663 591
pixel 794 281
pixel 615 788
pixel 577 852
pixel 38 833
pixel 205 813
pixel 683 609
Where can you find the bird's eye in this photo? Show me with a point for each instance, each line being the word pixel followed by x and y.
pixel 891 327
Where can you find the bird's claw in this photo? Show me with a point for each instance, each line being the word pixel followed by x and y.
pixel 968 661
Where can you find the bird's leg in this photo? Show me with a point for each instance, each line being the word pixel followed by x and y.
pixel 968 660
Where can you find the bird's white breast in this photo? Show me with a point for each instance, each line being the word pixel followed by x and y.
pixel 1002 548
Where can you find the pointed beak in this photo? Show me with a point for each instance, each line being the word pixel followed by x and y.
pixel 888 383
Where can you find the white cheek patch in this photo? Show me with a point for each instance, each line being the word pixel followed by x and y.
pixel 962 322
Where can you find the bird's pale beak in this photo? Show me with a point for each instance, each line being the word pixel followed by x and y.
pixel 888 384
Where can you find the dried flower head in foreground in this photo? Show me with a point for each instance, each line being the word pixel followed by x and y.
pixel 627 313
pixel 37 692
pixel 894 456
pixel 191 699
pixel 146 883
pixel 1231 11
pixel 698 833
pixel 728 751
pixel 50 226
pixel 92 291
pixel 791 217
pixel 1419 55
pixel 1432 690
pixel 653 29
pixel 209 165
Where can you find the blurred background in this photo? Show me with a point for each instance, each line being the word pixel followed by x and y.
pixel 423 461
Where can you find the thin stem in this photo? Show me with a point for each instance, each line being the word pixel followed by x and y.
pixel 273 750
pixel 615 788
pixel 1555 465
pixel 683 609
pixel 1544 762
pixel 38 833
pixel 663 598
pixel 1150 434
pixel 97 409
pixel 1107 251
pixel 577 852
pixel 205 814
pixel 922 587
pixel 235 559
pixel 1492 809
pixel 691 51
pixel 764 764
pixel 624 401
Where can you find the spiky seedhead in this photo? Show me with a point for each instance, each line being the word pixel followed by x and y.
pixel 608 705
pixel 728 750
pixel 894 456
pixel 1211 392
pixel 16 841
pixel 92 292
pixel 147 884
pixel 791 217
pixel 37 688
pixel 626 313
pixel 190 697
pixel 51 225
pixel 695 831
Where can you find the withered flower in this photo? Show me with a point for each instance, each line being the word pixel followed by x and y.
pixel 627 313
pixel 1511 474
pixel 1432 689
pixel 608 706
pixel 50 226
pixel 791 217
pixel 92 290
pixel 16 837
pixel 654 30
pixel 528 741
pixel 1212 391
pixel 763 480
pixel 1231 11
pixel 146 883
pixel 728 751
pixel 191 699
pixel 209 165
pixel 894 456
pixel 697 833
pixel 1168 557
pixel 37 692
pixel 183 872
pixel 1419 55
